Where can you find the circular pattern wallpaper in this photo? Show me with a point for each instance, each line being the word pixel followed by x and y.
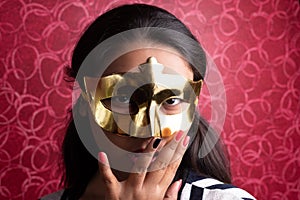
pixel 255 45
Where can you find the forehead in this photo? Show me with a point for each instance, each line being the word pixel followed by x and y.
pixel 167 58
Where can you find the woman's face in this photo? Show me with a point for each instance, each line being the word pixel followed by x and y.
pixel 129 62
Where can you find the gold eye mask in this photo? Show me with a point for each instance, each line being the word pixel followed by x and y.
pixel 152 102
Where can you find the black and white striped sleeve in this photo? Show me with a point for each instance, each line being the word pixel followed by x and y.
pixel 212 189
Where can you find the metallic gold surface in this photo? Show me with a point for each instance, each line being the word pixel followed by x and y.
pixel 142 104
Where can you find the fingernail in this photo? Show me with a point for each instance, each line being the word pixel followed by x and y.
pixel 178 136
pixel 156 143
pixel 186 141
pixel 179 184
pixel 102 157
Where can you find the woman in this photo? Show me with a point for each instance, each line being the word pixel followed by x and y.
pixel 139 98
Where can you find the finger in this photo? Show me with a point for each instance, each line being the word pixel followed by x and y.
pixel 180 150
pixel 144 159
pixel 109 179
pixel 142 162
pixel 158 167
pixel 172 192
pixel 166 154
pixel 176 160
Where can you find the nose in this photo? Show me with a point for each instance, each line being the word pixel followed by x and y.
pixel 146 123
pixel 154 120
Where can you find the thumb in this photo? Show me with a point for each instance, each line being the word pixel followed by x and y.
pixel 172 192
pixel 110 181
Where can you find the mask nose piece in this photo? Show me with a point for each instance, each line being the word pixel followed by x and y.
pixel 152 60
pixel 154 120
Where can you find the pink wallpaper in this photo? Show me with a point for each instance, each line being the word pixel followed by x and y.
pixel 254 43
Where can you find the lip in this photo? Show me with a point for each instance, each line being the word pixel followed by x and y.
pixel 142 150
pixel 143 146
pixel 134 156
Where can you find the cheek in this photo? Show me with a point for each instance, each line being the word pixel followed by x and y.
pixel 123 142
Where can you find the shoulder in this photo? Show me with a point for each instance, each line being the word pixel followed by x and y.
pixel 54 196
pixel 199 187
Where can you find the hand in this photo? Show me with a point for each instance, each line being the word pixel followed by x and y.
pixel 154 184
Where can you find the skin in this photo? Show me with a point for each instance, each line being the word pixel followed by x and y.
pixel 144 185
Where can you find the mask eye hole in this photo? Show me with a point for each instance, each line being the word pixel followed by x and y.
pixel 120 104
pixel 172 102
pixel 173 105
pixel 121 100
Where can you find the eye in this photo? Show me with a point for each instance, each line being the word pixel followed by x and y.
pixel 120 104
pixel 173 101
pixel 172 106
pixel 121 99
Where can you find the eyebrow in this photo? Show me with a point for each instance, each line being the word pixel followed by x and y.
pixel 134 70
pixel 166 70
pixel 159 97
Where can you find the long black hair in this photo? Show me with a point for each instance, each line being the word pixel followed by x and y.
pixel 80 166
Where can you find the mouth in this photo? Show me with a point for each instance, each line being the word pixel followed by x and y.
pixel 139 151
pixel 134 156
